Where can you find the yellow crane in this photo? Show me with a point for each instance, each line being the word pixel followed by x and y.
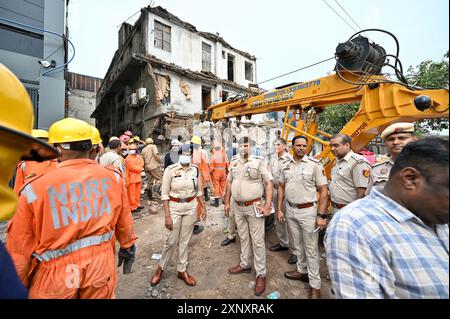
pixel 357 78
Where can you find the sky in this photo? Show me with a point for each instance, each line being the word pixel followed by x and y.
pixel 284 35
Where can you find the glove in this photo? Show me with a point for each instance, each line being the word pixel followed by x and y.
pixel 126 256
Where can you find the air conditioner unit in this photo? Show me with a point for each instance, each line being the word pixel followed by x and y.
pixel 141 94
pixel 133 100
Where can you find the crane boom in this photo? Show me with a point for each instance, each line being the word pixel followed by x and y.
pixel 380 104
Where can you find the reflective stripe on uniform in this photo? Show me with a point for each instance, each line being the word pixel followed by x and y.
pixel 29 194
pixel 80 244
pixel 117 177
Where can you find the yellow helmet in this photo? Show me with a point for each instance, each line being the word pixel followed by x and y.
pixel 16 119
pixel 69 130
pixel 96 138
pixel 149 140
pixel 196 140
pixel 40 134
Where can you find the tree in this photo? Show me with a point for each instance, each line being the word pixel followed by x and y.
pixel 429 74
pixel 335 117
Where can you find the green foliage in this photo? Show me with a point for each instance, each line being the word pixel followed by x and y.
pixel 430 74
pixel 335 117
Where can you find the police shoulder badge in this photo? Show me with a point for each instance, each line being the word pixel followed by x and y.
pixel 366 173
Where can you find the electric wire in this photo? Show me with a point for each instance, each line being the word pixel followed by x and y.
pixel 348 15
pixel 240 95
pixel 340 16
pixel 49 32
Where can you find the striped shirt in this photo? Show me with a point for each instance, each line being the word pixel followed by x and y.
pixel 376 248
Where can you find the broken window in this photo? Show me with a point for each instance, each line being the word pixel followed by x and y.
pixel 163 89
pixel 186 90
pixel 230 67
pixel 206 57
pixel 206 97
pixel 162 36
pixel 249 71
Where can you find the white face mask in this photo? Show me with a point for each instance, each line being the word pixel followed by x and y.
pixel 132 152
pixel 184 160
pixel 124 153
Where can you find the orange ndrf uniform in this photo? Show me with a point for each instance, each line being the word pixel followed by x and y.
pixel 26 170
pixel 201 161
pixel 61 238
pixel 134 165
pixel 218 167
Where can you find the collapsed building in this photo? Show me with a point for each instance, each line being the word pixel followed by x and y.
pixel 165 71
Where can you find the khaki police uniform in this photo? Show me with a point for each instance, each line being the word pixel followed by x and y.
pixel 301 181
pixel 231 234
pixel 276 166
pixel 152 166
pixel 379 175
pixel 181 188
pixel 247 186
pixel 349 173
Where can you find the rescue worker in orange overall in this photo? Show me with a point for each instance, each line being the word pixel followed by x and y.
pixel 16 143
pixel 61 238
pixel 218 166
pixel 134 165
pixel 201 161
pixel 27 170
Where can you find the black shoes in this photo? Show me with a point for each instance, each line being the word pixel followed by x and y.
pixel 228 241
pixel 292 259
pixel 278 247
pixel 198 229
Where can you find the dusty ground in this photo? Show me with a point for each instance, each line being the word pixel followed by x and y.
pixel 208 263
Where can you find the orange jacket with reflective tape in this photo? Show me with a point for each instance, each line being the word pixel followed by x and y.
pixel 219 161
pixel 134 164
pixel 26 170
pixel 78 199
pixel 199 158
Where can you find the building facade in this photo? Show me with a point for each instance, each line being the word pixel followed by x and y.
pixel 26 49
pixel 81 94
pixel 166 66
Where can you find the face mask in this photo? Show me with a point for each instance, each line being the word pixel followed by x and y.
pixel 184 160
pixel 124 153
pixel 132 152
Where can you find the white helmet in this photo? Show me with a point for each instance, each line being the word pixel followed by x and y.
pixel 175 143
